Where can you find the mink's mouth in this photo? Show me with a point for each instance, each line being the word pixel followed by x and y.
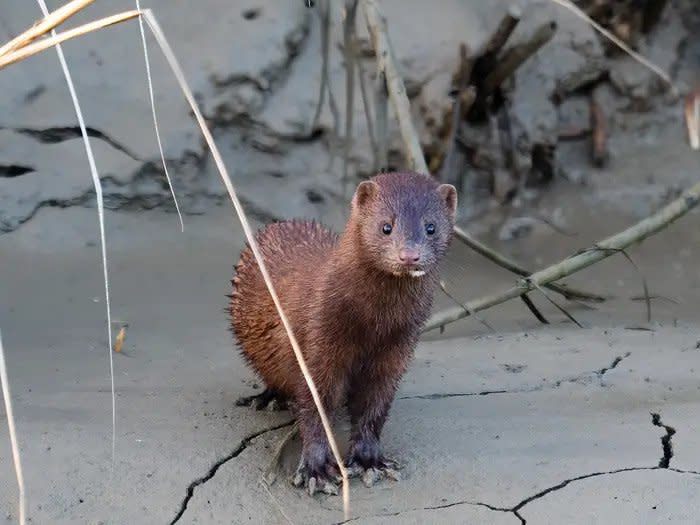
pixel 411 271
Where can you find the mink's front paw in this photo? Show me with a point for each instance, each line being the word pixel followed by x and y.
pixel 366 462
pixel 324 478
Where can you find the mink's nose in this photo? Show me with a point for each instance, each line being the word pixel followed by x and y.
pixel 409 256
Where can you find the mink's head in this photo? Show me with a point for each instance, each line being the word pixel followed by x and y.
pixel 404 222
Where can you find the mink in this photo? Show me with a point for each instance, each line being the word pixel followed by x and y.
pixel 356 303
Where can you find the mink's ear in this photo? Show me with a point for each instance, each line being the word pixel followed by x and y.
pixel 364 193
pixel 449 194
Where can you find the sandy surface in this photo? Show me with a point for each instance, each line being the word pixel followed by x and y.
pixel 549 424
pixel 524 423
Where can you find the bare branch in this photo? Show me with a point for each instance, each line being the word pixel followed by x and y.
pixel 513 266
pixel 688 200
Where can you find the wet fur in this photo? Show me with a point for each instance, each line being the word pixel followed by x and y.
pixel 356 312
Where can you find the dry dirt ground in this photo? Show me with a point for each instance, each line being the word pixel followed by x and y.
pixel 526 422
pixel 549 424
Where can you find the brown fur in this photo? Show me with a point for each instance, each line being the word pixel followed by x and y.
pixel 354 309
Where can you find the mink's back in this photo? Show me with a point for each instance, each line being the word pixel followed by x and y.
pixel 293 252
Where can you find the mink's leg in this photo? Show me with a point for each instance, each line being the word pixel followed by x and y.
pixel 268 399
pixel 318 471
pixel 372 392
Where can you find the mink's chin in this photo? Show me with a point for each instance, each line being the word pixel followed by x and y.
pixel 414 272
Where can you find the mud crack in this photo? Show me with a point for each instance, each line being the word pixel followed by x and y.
pixel 666 444
pixel 582 378
pixel 216 466
pixel 14 170
pixel 614 364
pixel 58 134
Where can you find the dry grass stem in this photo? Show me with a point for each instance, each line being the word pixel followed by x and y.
pixel 155 117
pixel 13 435
pixel 119 340
pixel 57 38
pixel 177 70
pixel 688 200
pixel 100 206
pixel 45 25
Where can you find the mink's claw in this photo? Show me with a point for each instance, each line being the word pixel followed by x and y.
pixel 317 481
pixel 376 471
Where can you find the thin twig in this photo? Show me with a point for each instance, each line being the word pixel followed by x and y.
pixel 13 435
pixel 349 48
pixel 325 85
pixel 535 311
pixel 177 70
pixel 463 102
pixel 55 39
pixel 444 289
pixel 465 97
pixel 688 200
pixel 557 305
pixel 512 266
pixel 98 195
pixel 381 115
pixel 645 286
pixel 155 117
pixel 45 25
pixel 364 91
pixel 599 133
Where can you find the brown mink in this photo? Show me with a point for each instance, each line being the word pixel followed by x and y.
pixel 356 303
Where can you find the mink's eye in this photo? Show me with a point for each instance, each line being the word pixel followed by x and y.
pixel 387 228
pixel 430 228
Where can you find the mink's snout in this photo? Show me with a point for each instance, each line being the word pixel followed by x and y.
pixel 409 256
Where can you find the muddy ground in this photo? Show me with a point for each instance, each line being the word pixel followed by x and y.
pixel 524 423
